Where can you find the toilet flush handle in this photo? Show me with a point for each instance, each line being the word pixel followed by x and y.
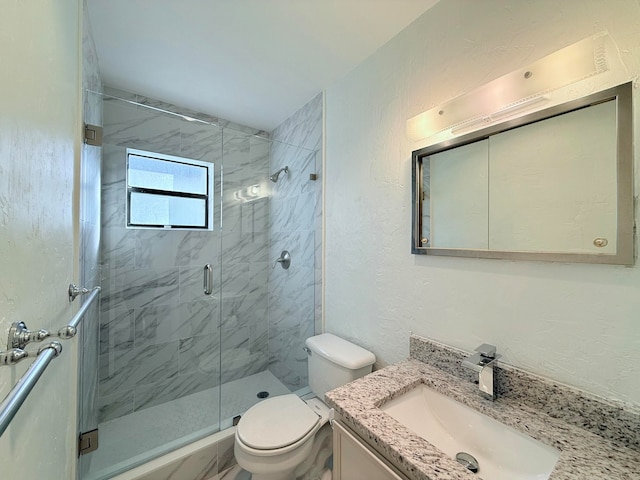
pixel 307 349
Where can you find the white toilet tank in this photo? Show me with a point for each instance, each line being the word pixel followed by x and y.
pixel 334 361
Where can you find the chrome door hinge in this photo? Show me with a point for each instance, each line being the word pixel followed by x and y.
pixel 93 135
pixel 88 442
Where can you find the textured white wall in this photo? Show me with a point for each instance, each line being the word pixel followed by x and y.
pixel 578 324
pixel 39 148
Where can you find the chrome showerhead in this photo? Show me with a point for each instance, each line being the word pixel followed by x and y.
pixel 274 177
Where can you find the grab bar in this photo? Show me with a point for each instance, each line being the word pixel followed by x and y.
pixel 19 336
pixel 18 394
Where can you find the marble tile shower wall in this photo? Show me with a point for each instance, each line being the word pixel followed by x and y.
pixel 295 308
pixel 159 335
pixel 245 262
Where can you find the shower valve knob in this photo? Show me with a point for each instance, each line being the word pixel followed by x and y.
pixel 284 260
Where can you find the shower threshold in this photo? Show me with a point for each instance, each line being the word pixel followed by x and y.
pixel 134 439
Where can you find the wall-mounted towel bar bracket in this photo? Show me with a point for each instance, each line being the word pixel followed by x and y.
pixel 20 336
pixel 75 291
pixel 13 356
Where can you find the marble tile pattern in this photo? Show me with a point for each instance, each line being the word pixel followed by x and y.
pixel 295 225
pixel 160 336
pixel 584 454
pixel 199 466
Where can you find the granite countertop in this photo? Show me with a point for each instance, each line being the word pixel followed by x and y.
pixel 572 422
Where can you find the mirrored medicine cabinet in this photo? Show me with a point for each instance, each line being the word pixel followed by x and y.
pixel 554 185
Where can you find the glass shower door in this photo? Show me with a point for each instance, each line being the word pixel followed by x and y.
pixel 88 346
pixel 159 353
pixel 245 273
pixel 176 364
pixel 267 310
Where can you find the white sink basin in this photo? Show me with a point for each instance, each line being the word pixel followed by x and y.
pixel 502 452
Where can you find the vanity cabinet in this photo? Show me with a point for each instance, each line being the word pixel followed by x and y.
pixel 354 460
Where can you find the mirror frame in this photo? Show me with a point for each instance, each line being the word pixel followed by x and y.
pixel 624 255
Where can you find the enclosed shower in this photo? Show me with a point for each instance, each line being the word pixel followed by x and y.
pixel 198 319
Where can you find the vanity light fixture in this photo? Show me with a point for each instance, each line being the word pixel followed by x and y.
pixel 507 112
pixel 519 91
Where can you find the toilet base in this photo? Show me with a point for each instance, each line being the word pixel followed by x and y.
pixel 277 467
pixel 294 464
pixel 273 476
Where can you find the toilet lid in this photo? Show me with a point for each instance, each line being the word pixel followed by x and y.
pixel 276 422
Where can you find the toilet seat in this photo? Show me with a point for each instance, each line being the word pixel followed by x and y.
pixel 277 423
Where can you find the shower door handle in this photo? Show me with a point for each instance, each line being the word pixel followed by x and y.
pixel 208 279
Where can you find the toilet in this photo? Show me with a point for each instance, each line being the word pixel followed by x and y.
pixel 275 436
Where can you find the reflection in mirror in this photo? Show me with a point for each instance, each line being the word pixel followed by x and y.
pixel 554 186
pixel 459 205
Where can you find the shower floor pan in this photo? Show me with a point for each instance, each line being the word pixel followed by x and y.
pixel 140 436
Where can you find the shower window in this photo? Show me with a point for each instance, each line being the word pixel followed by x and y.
pixel 165 191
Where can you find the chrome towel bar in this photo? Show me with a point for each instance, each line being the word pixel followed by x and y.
pixel 18 394
pixel 19 337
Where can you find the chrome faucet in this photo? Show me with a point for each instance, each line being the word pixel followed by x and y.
pixel 483 362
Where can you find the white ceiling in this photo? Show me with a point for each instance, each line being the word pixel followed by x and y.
pixel 254 62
